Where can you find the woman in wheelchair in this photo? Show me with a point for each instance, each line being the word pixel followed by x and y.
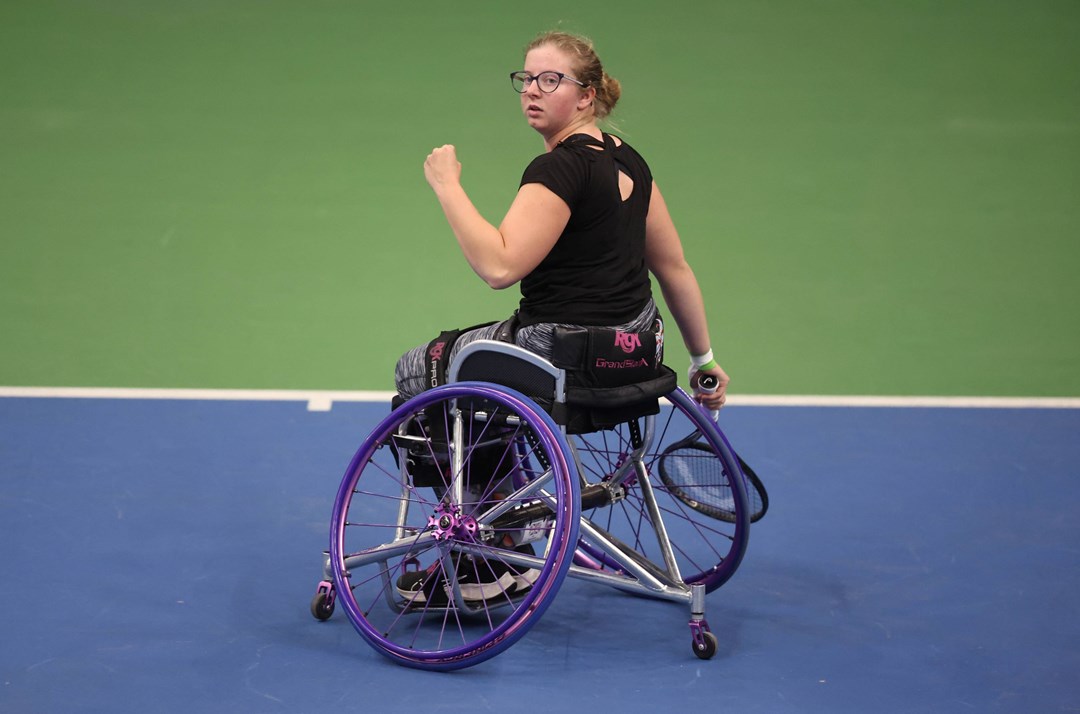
pixel 587 227
pixel 523 497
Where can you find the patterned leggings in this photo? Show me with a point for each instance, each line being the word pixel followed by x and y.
pixel 410 375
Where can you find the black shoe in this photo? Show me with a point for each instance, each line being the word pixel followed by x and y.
pixel 491 578
pixel 479 579
pixel 524 578
pixel 422 586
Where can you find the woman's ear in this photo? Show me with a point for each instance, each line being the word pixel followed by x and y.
pixel 588 96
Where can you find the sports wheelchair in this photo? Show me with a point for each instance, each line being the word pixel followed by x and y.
pixel 465 509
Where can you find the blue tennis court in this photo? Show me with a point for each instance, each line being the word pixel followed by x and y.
pixel 159 556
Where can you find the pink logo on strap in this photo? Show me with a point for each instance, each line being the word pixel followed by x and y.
pixel 627 341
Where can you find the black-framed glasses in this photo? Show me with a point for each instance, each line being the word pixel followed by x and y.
pixel 547 81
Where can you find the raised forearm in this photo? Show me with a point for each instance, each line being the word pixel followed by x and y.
pixel 481 243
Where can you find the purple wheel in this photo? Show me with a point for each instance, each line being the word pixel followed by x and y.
pixel 699 491
pixel 454 526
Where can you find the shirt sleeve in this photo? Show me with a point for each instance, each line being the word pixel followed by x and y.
pixel 560 171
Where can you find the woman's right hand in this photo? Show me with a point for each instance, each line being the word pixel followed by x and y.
pixel 442 167
pixel 715 399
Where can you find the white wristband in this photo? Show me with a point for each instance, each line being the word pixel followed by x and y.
pixel 699 360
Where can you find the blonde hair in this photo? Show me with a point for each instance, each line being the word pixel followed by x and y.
pixel 587 67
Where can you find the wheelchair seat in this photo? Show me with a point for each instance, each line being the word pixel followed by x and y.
pixel 578 409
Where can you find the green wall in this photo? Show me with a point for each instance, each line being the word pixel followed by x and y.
pixel 878 197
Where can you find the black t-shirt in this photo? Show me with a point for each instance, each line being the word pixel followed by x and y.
pixel 596 272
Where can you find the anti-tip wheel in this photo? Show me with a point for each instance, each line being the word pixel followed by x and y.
pixel 322 606
pixel 706 647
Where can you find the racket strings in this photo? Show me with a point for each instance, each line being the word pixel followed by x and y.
pixel 694 475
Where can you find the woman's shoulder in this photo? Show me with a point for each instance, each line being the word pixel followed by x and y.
pixel 580 140
pixel 564 172
pixel 552 158
pixel 570 152
pixel 622 147
pixel 627 154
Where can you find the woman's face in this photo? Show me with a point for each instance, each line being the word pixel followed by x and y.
pixel 550 112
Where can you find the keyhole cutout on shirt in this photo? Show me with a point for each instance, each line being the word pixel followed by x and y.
pixel 626 185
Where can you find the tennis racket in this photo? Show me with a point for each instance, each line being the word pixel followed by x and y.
pixel 695 475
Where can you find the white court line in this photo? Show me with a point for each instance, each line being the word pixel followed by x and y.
pixel 322 401
pixel 768 400
pixel 317 401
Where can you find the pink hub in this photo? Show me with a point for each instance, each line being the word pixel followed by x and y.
pixel 448 523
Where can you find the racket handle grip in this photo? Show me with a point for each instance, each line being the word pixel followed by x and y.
pixel 707 384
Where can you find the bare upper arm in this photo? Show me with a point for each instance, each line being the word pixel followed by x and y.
pixel 532 226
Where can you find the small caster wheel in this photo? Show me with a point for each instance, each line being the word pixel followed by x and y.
pixel 322 605
pixel 706 646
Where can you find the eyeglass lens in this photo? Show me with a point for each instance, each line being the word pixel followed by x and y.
pixel 547 81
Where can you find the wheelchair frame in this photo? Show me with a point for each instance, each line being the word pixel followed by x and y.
pixel 550 483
